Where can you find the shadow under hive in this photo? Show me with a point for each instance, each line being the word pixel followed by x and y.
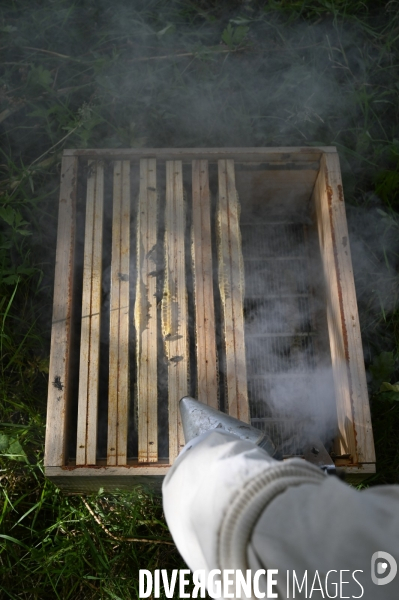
pixel 215 273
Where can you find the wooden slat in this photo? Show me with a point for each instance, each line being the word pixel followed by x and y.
pixel 174 303
pixel 86 480
pixel 231 283
pixel 289 154
pixel 91 308
pixel 146 313
pixel 345 441
pixel 118 394
pixel 357 407
pixel 207 381
pixel 58 391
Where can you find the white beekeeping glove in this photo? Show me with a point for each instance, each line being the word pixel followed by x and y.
pixel 216 491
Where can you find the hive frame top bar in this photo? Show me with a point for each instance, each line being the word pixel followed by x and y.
pixel 247 154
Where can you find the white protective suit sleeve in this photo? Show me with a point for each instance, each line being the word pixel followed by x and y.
pixel 333 528
pixel 230 506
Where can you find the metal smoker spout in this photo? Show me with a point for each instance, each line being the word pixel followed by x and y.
pixel 198 418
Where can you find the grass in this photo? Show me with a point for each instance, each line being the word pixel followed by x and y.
pixel 182 73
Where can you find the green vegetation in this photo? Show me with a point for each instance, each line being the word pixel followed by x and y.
pixel 185 73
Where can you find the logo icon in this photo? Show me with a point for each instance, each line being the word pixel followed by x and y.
pixel 385 560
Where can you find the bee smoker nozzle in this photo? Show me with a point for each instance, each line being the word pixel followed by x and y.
pixel 197 418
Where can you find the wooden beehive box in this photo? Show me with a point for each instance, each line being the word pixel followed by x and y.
pixel 220 273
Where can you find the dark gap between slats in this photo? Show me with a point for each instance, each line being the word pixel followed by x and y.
pixel 192 361
pixel 72 416
pixel 103 376
pixel 219 334
pixel 132 434
pixel 162 366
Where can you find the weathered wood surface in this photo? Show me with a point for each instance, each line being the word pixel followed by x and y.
pixel 345 443
pixel 174 303
pixel 58 390
pixel 231 284
pixel 288 155
pixel 86 480
pixel 118 389
pixel 352 349
pixel 356 475
pixel 146 313
pixel 91 309
pixel 354 422
pixel 207 378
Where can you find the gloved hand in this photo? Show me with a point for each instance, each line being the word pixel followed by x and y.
pixel 216 491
